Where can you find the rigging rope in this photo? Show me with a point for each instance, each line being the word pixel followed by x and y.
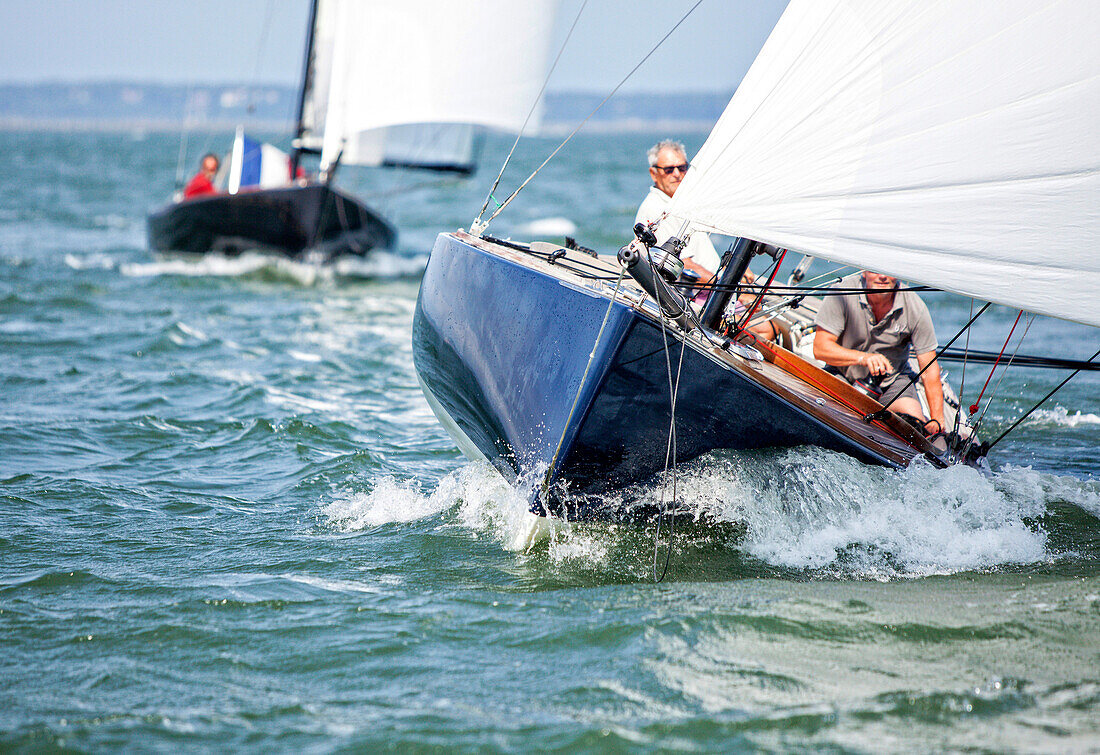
pixel 760 296
pixel 977 401
pixel 265 29
pixel 801 290
pixel 1008 364
pixel 670 449
pixel 481 227
pixel 962 380
pixel 580 388
pixel 1019 360
pixel 1041 402
pixel 184 133
pixel 341 213
pixel 914 378
pixel 496 183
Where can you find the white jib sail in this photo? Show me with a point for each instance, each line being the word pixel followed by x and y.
pixel 954 143
pixel 396 62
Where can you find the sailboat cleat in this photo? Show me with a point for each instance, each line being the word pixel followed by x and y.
pixel 741 350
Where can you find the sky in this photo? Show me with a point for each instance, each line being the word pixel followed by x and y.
pixel 261 41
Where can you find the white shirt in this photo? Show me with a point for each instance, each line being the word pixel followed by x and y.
pixel 698 248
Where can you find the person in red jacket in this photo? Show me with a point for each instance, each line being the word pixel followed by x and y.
pixel 203 181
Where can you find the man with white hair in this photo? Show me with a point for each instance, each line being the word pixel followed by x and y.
pixel 667 166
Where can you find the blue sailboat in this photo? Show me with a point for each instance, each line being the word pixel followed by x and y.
pixel 566 383
pixel 577 375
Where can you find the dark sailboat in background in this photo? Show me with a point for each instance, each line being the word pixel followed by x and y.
pixel 402 99
pixel 958 150
pixel 292 218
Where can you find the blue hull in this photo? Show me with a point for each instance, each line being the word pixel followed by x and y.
pixel 501 347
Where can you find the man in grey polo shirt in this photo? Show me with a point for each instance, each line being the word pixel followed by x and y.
pixel 871 335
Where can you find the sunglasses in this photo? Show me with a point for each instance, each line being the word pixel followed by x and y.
pixel 668 169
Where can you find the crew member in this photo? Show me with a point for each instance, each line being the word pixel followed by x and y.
pixel 869 337
pixel 203 181
pixel 668 165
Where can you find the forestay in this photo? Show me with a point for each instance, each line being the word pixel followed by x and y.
pixel 389 63
pixel 949 142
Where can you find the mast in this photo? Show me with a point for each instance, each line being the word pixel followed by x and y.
pixel 307 69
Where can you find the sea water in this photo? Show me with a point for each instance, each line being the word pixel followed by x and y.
pixel 229 519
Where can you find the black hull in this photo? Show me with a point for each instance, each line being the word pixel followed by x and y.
pixel 290 220
pixel 501 347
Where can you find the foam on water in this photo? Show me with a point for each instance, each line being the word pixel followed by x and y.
pixel 803 509
pixel 475 498
pixel 218 265
pixel 13 326
pixel 1061 417
pixel 555 226
pixel 187 332
pixel 1023 483
pixel 381 264
pixel 810 509
pixel 307 271
pixel 94 261
pixel 816 510
pixel 390 502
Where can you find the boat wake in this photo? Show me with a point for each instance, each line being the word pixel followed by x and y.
pixel 93 261
pixel 542 227
pixel 797 513
pixel 1061 417
pixel 473 498
pixel 305 272
pixel 381 264
pixel 390 502
pixel 249 264
pixel 815 510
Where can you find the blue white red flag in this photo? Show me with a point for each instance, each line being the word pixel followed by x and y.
pixel 256 164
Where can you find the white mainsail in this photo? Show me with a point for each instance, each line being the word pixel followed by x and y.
pixel 954 143
pixel 400 64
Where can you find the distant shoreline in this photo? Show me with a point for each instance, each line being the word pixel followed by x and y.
pixel 548 130
pixel 129 106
